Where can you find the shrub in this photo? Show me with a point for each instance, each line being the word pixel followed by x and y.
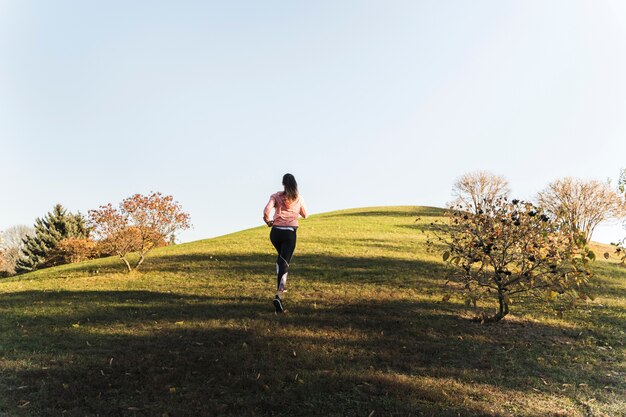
pixel 74 250
pixel 512 250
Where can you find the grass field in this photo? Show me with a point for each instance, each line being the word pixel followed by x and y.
pixel 366 334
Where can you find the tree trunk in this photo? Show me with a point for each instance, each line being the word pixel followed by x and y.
pixel 140 261
pixel 503 310
pixel 126 262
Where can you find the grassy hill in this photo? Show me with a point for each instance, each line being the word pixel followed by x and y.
pixel 366 334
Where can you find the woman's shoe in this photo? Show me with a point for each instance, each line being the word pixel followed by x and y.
pixel 278 304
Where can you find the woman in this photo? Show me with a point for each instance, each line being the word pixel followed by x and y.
pixel 287 205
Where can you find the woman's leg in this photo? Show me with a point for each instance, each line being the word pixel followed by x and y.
pixel 276 237
pixel 285 243
pixel 284 258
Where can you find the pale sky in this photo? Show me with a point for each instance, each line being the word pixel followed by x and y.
pixel 367 103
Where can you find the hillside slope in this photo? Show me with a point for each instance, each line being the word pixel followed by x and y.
pixel 194 333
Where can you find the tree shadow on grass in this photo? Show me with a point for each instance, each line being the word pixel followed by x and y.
pixel 141 353
pixel 311 268
pixel 614 287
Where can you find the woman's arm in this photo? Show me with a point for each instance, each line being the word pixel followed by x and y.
pixel 267 211
pixel 303 212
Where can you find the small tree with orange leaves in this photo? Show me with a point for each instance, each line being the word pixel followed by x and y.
pixel 139 224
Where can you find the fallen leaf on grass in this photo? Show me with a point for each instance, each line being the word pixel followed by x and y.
pixel 179 323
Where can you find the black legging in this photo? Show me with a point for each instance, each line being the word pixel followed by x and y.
pixel 285 243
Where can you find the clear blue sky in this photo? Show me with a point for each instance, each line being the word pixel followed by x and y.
pixel 365 102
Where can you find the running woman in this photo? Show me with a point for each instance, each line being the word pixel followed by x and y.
pixel 287 205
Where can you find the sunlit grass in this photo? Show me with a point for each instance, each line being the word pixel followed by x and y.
pixel 194 333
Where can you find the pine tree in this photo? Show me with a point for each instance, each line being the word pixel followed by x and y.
pixel 49 231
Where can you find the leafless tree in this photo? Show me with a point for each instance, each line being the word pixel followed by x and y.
pixel 479 189
pixel 11 244
pixel 582 205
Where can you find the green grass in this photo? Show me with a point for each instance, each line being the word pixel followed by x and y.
pixel 194 333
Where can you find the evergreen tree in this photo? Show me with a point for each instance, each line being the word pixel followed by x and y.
pixel 49 231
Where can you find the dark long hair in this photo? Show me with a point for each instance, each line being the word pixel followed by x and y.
pixel 291 188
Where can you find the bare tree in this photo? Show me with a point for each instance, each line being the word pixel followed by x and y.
pixel 479 189
pixel 12 244
pixel 582 205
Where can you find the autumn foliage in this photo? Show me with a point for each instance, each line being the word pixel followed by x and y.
pixel 139 224
pixel 74 250
pixel 511 250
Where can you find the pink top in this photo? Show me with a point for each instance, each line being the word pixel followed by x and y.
pixel 284 214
